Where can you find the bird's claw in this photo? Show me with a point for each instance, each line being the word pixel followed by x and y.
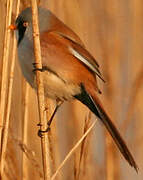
pixel 40 132
pixel 35 68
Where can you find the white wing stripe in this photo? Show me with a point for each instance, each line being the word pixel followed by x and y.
pixel 85 61
pixel 82 59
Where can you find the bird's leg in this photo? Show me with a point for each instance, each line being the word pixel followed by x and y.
pixel 44 68
pixel 58 104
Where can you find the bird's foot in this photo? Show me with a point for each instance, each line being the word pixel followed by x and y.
pixel 40 132
pixel 35 68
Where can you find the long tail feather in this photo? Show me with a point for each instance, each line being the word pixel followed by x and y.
pixel 93 103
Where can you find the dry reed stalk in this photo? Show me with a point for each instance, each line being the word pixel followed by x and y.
pixel 51 149
pixel 52 136
pixel 40 92
pixel 5 67
pixel 3 110
pixel 112 171
pixel 109 92
pixel 110 87
pixel 73 150
pixel 30 155
pixel 78 115
pixel 84 147
pixel 25 126
pixel 11 169
pixel 87 161
pixel 133 97
pixel 109 157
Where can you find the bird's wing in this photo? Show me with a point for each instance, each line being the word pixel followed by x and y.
pixel 81 54
pixel 57 56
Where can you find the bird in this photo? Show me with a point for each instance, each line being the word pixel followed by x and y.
pixel 69 71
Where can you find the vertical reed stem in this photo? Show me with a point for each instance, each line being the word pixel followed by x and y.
pixel 40 92
pixel 5 121
pixel 5 66
pixel 25 126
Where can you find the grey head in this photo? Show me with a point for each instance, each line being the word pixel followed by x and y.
pixel 24 22
pixel 25 39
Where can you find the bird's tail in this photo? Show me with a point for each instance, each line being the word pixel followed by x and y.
pixel 93 103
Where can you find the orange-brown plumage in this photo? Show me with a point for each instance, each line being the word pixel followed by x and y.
pixel 55 50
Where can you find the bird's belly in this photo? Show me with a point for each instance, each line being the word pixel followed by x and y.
pixel 56 88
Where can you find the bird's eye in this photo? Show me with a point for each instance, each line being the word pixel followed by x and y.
pixel 22 25
pixel 25 24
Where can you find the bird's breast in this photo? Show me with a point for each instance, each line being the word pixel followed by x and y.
pixel 56 88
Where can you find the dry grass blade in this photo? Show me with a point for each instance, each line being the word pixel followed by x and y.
pixel 25 126
pixel 53 141
pixel 30 156
pixel 135 90
pixel 3 90
pixel 5 66
pixel 40 92
pixel 5 132
pixel 73 150
pixel 83 145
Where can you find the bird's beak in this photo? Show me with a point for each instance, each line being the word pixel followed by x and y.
pixel 12 27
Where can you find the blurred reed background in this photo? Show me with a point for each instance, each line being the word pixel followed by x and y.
pixel 112 32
